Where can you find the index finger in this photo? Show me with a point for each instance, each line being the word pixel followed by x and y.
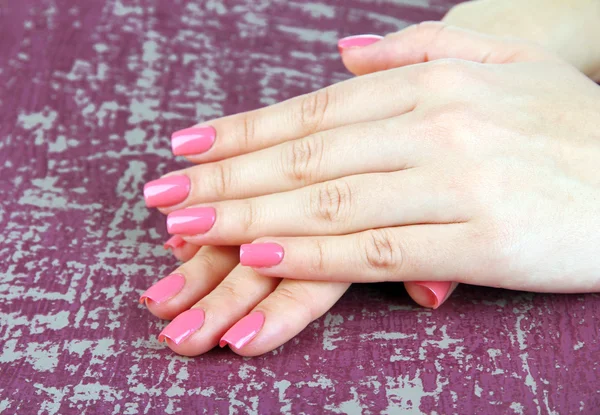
pixel 353 101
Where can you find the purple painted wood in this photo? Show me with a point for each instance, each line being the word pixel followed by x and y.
pixel 89 94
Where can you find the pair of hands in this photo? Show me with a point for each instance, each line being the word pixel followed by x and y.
pixel 482 169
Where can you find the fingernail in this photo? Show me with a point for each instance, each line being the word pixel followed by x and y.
pixel 436 291
pixel 166 191
pixel 357 41
pixel 191 221
pixel 183 326
pixel 261 255
pixel 165 289
pixel 174 242
pixel 195 140
pixel 243 331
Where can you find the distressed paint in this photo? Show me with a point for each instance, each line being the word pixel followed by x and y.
pixel 89 94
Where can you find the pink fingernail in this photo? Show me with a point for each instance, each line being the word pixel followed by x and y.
pixel 261 255
pixel 166 191
pixel 165 289
pixel 183 326
pixel 191 221
pixel 357 41
pixel 243 331
pixel 195 140
pixel 175 241
pixel 438 292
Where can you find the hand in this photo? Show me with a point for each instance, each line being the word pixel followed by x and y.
pixel 512 202
pixel 221 294
pixel 405 181
pixel 210 281
pixel 267 338
pixel 430 41
pixel 412 45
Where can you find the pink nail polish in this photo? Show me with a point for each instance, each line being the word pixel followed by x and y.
pixel 243 331
pixel 195 140
pixel 438 291
pixel 166 191
pixel 191 221
pixel 175 241
pixel 183 326
pixel 357 41
pixel 261 255
pixel 165 289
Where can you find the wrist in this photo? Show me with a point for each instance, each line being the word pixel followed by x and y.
pixel 565 27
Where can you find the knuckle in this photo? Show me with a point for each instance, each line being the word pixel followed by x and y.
pixel 498 240
pixel 332 201
pixel 202 263
pixel 220 179
pixel 319 258
pixel 248 135
pixel 447 126
pixel 250 217
pixel 313 108
pixel 230 292
pixel 381 252
pixel 303 159
pixel 296 299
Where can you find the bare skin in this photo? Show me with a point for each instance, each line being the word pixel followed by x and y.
pixel 471 231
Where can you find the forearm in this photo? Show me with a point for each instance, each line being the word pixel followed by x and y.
pixel 569 28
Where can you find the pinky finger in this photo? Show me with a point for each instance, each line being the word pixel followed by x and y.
pixel 437 252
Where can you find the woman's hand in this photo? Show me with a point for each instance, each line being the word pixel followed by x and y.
pixel 213 301
pixel 436 155
pixel 226 297
pixel 497 183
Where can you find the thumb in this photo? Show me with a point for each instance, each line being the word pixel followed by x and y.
pixel 428 41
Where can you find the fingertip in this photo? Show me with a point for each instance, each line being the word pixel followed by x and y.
pixel 431 294
pixel 173 242
pixel 352 51
pixel 261 255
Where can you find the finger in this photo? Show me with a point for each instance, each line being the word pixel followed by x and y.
pixel 200 328
pixel 430 294
pixel 409 253
pixel 190 282
pixel 182 250
pixel 282 315
pixel 429 41
pixel 349 102
pixel 379 146
pixel 342 206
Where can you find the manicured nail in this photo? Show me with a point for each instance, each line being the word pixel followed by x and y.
pixel 436 291
pixel 166 191
pixel 165 289
pixel 261 255
pixel 357 41
pixel 191 221
pixel 183 326
pixel 195 140
pixel 243 331
pixel 175 241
